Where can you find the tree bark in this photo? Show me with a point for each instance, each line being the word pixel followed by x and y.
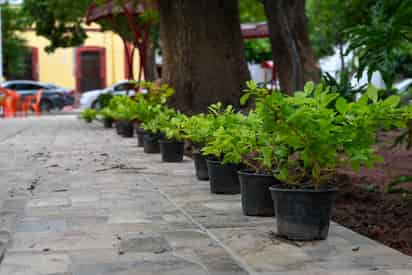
pixel 150 70
pixel 292 53
pixel 203 54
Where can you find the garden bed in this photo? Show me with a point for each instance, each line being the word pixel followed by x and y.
pixel 364 206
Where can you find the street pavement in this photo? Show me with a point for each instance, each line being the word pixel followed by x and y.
pixel 76 199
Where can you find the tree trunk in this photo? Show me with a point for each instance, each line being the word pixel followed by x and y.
pixel 150 70
pixel 203 54
pixel 292 53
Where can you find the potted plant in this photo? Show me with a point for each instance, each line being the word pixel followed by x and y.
pixel 172 144
pixel 148 106
pixel 88 115
pixel 122 109
pixel 107 117
pixel 222 167
pixel 152 133
pixel 103 103
pixel 197 129
pixel 316 132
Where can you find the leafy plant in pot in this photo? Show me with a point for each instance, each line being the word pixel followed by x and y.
pixel 107 117
pixel 318 140
pixel 123 109
pixel 257 151
pixel 104 112
pixel 88 115
pixel 222 167
pixel 172 145
pixel 149 105
pixel 151 126
pixel 197 129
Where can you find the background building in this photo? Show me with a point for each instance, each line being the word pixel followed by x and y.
pixel 99 62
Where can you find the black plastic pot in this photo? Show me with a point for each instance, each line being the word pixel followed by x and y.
pixel 126 128
pixel 107 123
pixel 303 215
pixel 116 124
pixel 202 172
pixel 256 197
pixel 140 136
pixel 151 143
pixel 223 177
pixel 172 150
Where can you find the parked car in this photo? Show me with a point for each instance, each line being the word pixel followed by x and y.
pixel 54 97
pixel 88 100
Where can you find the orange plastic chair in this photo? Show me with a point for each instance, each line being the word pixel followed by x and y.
pixel 3 96
pixel 36 105
pixel 11 102
pixel 28 101
pixel 14 104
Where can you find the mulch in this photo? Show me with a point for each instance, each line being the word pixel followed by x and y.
pixel 364 205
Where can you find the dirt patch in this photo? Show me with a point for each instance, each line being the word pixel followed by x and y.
pixel 365 206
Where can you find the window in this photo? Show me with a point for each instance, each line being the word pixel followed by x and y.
pixel 24 87
pixel 124 87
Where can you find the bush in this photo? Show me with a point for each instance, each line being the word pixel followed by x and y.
pixel 88 115
pixel 307 140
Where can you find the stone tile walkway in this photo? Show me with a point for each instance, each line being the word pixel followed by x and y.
pixel 78 200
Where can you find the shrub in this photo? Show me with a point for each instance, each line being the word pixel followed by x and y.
pixel 307 140
pixel 88 115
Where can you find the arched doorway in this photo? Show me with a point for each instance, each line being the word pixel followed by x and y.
pixel 90 68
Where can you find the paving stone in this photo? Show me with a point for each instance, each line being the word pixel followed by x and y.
pixel 146 244
pixel 46 202
pixel 44 264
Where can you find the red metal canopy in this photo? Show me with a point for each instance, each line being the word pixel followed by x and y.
pixel 255 30
pixel 96 13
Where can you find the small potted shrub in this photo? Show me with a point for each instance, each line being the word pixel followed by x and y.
pixel 172 145
pixel 88 115
pixel 107 117
pixel 197 129
pixel 222 167
pixel 122 108
pixel 148 106
pixel 103 103
pixel 316 132
pixel 152 133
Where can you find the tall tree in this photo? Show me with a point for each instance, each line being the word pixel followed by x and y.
pixel 292 52
pixel 15 48
pixel 203 54
pixel 378 44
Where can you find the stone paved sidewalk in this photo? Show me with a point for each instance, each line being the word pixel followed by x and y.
pixel 78 200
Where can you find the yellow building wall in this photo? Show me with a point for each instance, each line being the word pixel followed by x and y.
pixel 59 67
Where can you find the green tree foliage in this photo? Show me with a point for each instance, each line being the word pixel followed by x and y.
pixel 61 22
pixel 380 43
pixel 14 47
pixel 257 50
pixel 329 19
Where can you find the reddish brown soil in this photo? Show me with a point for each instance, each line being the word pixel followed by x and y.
pixel 364 206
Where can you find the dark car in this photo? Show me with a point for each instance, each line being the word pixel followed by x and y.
pixel 53 97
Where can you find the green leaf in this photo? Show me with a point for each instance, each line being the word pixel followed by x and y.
pixel 244 99
pixel 372 93
pixel 309 87
pixel 392 101
pixel 342 105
